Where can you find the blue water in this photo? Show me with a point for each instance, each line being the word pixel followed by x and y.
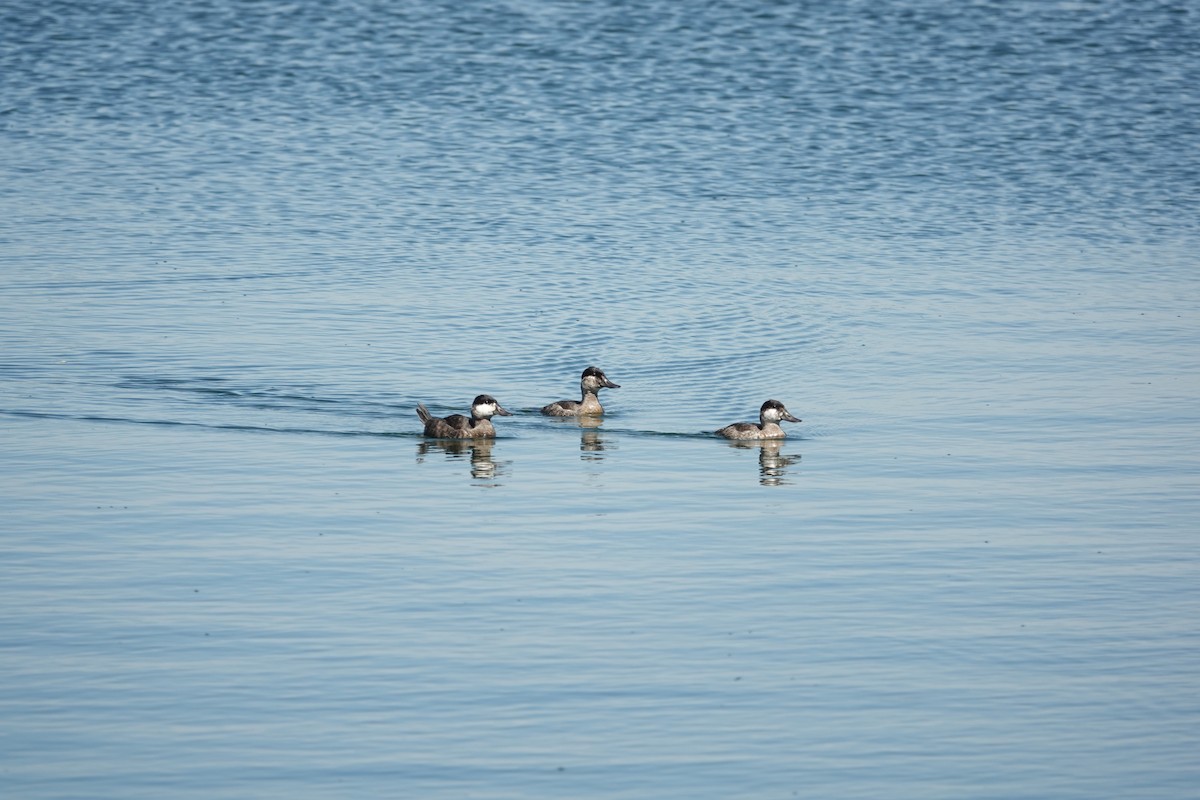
pixel 240 241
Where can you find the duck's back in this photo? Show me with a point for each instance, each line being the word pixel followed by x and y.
pixel 574 408
pixel 748 430
pixel 741 430
pixel 455 426
pixel 563 408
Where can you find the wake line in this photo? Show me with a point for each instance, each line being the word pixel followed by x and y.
pixel 172 423
pixel 126 283
pixel 208 425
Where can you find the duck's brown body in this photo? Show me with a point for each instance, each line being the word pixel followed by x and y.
pixel 458 426
pixel 768 426
pixel 590 384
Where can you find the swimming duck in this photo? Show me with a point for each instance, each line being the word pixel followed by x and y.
pixel 590 383
pixel 457 426
pixel 768 428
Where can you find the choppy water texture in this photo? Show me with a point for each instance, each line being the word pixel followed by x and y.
pixel 240 242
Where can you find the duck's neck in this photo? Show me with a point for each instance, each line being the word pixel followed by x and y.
pixel 482 426
pixel 590 404
pixel 772 429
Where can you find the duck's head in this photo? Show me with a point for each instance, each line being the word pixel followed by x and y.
pixel 485 407
pixel 774 411
pixel 594 379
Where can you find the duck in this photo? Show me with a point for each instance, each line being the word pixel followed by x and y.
pixel 769 416
pixel 457 426
pixel 590 384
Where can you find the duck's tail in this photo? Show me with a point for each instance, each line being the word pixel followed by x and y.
pixel 423 412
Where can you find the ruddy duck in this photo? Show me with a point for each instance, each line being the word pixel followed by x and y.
pixel 457 426
pixel 768 428
pixel 590 384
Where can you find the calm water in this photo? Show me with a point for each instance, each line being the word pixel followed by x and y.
pixel 240 241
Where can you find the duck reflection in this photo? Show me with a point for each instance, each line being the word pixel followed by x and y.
pixel 592 442
pixel 479 451
pixel 773 463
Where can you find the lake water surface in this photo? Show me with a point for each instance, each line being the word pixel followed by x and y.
pixel 240 241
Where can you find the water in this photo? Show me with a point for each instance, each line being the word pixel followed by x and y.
pixel 241 241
